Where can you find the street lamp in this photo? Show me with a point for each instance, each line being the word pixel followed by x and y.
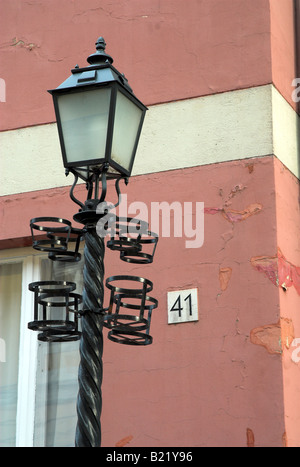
pixel 99 123
pixel 99 119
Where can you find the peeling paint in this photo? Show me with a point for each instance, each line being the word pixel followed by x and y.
pixel 284 440
pixel 18 42
pixel 268 336
pixel 278 270
pixel 250 168
pixel 224 277
pixel 233 192
pixel 287 332
pixel 274 337
pixel 212 210
pixel 124 441
pixel 250 438
pixel 233 215
pixel 268 265
pixel 230 214
pixel 238 216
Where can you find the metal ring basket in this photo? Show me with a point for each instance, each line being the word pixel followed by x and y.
pixel 137 322
pixel 57 235
pixel 49 297
pixel 70 255
pixel 54 242
pixel 146 284
pixel 125 233
pixel 138 307
pixel 129 337
pixel 138 256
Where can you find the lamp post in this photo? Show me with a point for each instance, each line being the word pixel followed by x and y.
pixel 99 123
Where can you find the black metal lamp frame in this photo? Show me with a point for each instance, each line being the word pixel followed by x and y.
pixel 115 87
pixel 128 316
pixel 99 74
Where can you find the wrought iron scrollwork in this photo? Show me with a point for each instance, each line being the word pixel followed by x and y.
pixel 56 306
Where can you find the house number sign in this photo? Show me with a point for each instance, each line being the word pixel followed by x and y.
pixel 182 306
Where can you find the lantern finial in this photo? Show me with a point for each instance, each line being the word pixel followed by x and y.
pixel 100 56
pixel 100 44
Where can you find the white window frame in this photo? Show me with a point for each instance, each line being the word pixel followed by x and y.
pixel 28 345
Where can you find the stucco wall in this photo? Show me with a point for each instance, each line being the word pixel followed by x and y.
pixel 167 50
pixel 205 383
pixel 221 129
pixel 218 381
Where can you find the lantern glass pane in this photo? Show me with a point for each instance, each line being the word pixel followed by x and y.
pixel 84 120
pixel 127 122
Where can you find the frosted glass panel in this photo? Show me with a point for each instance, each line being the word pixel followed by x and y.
pixel 127 121
pixel 84 119
pixel 10 312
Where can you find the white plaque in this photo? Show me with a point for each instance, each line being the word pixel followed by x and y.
pixel 182 306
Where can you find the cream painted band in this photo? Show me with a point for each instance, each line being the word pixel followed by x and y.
pixel 221 127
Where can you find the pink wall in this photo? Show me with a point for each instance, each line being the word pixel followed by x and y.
pixel 203 383
pixel 287 208
pixel 283 47
pixel 228 379
pixel 190 48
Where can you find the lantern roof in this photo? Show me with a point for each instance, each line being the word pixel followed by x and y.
pixel 100 71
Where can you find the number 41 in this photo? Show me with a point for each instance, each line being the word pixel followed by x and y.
pixel 177 305
pixel 182 306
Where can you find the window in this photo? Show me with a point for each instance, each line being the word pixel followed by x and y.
pixel 10 311
pixel 38 380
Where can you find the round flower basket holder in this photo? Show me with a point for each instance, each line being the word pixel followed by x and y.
pixel 56 311
pixel 72 253
pixel 128 316
pixel 56 305
pixel 144 255
pixel 125 233
pixel 58 238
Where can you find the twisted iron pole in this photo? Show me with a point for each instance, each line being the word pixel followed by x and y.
pixel 89 402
